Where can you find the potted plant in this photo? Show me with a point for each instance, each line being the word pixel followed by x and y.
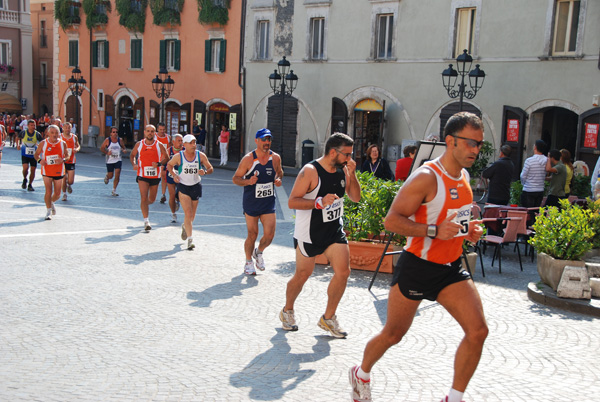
pixel 363 224
pixel 562 237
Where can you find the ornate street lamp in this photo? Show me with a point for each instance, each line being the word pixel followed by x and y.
pixel 76 85
pixel 163 85
pixel 450 76
pixel 283 82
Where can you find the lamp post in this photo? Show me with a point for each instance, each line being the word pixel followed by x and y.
pixel 76 84
pixel 283 82
pixel 450 76
pixel 162 85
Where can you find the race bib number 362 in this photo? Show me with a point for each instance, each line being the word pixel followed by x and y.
pixel 334 211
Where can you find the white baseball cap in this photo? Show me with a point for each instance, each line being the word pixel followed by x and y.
pixel 189 138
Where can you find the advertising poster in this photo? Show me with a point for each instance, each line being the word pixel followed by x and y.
pixel 232 120
pixel 512 130
pixel 591 135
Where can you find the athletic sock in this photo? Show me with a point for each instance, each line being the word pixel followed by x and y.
pixel 258 251
pixel 362 375
pixel 454 395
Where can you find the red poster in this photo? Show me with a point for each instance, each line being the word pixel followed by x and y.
pixel 591 136
pixel 512 130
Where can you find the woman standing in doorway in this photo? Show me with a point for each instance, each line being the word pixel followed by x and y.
pixel 223 144
pixel 377 165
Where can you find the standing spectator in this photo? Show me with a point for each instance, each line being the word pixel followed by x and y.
pixel 201 138
pixel 403 165
pixel 533 176
pixel 558 178
pixel 73 126
pixel 565 157
pixel 376 165
pixel 500 176
pixel 223 143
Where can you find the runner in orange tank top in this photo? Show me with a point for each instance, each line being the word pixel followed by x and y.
pixel 150 155
pixel 164 139
pixel 432 209
pixel 72 148
pixel 51 156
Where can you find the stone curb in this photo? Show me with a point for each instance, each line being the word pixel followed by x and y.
pixel 543 294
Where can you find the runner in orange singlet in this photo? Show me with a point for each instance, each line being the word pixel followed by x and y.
pixel 72 148
pixel 432 209
pixel 150 155
pixel 51 156
pixel 164 139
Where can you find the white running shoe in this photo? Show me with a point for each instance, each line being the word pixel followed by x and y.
pixel 249 268
pixel 114 193
pixel 173 218
pixel 258 259
pixel 183 233
pixel 361 389
pixel 190 244
pixel 69 189
pixel 64 197
pixel 147 226
pixel 332 326
pixel 106 179
pixel 288 320
pixel 53 209
pixel 48 215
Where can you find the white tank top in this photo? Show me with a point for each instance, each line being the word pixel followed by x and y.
pixel 188 170
pixel 114 151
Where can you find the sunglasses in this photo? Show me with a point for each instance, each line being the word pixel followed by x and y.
pixel 471 143
pixel 265 139
pixel 347 155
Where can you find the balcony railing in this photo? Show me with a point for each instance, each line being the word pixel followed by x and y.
pixel 9 16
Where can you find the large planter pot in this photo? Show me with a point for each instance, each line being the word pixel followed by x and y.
pixel 365 256
pixel 472 260
pixel 551 269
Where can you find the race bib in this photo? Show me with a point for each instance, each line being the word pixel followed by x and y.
pixel 114 155
pixel 150 171
pixel 334 211
pixel 190 170
pixel 52 159
pixel 264 190
pixel 463 217
pixel 29 150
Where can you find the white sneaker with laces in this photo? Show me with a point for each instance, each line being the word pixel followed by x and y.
pixel 48 215
pixel 361 389
pixel 190 244
pixel 173 218
pixel 69 189
pixel 249 268
pixel 332 326
pixel 288 320
pixel 258 259
pixel 64 198
pixel 147 226
pixel 114 193
pixel 53 209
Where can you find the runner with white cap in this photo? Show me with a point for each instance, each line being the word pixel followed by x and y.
pixel 191 164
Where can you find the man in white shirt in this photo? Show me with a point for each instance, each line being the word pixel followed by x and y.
pixel 533 176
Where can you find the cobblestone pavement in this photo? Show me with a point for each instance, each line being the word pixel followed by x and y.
pixel 95 309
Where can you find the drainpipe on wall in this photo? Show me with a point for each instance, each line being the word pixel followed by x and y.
pixel 90 90
pixel 242 80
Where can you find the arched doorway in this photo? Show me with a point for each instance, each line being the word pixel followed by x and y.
pixel 218 115
pixel 172 117
pixel 125 122
pixel 453 108
pixel 74 112
pixel 368 127
pixel 557 126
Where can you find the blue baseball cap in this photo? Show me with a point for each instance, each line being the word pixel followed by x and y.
pixel 263 132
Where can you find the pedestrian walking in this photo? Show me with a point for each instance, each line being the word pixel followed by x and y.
pixel 259 172
pixel 433 209
pixel 318 198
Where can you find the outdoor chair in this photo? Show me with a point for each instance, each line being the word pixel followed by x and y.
pixel 510 236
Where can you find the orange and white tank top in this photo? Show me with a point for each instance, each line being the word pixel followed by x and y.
pixel 53 154
pixel 70 148
pixel 147 154
pixel 453 195
pixel 164 140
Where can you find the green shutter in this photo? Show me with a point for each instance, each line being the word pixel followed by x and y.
pixel 136 53
pixel 163 54
pixel 95 53
pixel 105 54
pixel 177 55
pixel 222 55
pixel 73 53
pixel 132 53
pixel 207 54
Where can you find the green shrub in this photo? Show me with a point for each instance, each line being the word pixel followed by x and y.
pixel 132 16
pixel 580 186
pixel 66 12
pixel 564 233
pixel 364 219
pixel 516 188
pixel 96 12
pixel 210 13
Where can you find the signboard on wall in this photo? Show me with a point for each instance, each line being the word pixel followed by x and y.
pixel 232 121
pixel 591 135
pixel 109 121
pixel 512 130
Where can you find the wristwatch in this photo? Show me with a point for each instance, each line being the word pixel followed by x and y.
pixel 431 231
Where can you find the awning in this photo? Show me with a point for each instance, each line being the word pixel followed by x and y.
pixel 9 103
